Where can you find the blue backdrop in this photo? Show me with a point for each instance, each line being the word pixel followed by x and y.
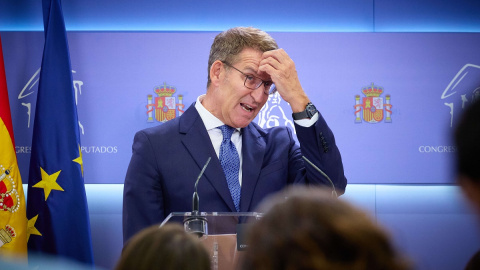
pixel 390 98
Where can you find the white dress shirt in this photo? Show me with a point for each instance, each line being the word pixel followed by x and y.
pixel 212 123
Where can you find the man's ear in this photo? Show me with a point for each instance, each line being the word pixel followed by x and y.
pixel 471 189
pixel 216 72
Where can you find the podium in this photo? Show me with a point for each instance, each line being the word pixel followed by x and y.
pixel 222 233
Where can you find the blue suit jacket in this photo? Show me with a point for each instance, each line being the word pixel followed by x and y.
pixel 168 158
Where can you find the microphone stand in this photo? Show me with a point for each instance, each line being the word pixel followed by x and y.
pixel 196 223
pixel 334 192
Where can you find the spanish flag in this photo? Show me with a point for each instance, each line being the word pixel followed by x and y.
pixel 13 217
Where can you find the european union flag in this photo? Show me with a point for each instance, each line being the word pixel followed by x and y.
pixel 57 212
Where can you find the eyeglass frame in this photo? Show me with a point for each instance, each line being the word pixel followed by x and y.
pixel 270 91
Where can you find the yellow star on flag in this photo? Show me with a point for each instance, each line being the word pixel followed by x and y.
pixel 48 182
pixel 31 227
pixel 79 160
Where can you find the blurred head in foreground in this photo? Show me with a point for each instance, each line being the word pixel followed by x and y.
pixel 306 228
pixel 168 247
pixel 467 141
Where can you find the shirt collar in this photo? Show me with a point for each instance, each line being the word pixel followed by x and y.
pixel 209 120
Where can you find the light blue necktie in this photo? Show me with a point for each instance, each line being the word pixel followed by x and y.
pixel 230 164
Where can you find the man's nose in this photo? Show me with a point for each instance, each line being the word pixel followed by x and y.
pixel 258 94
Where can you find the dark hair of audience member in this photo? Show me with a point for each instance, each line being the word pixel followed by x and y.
pixel 305 228
pixel 474 262
pixel 467 140
pixel 168 248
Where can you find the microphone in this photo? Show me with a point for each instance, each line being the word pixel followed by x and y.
pixel 196 199
pixel 334 192
pixel 196 223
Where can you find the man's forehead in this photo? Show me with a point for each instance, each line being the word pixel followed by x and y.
pixel 249 54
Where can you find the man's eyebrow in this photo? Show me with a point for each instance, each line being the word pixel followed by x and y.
pixel 250 69
pixel 253 72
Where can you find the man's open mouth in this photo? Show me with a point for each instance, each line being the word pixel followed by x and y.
pixel 246 107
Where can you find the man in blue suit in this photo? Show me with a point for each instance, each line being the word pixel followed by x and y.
pixel 245 66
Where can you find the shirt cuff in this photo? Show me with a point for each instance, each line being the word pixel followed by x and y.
pixel 307 122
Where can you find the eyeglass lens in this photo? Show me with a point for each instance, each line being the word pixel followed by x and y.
pixel 253 83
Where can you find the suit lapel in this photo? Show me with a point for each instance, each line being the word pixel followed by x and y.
pixel 198 144
pixel 253 151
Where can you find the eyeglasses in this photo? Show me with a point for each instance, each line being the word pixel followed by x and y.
pixel 252 82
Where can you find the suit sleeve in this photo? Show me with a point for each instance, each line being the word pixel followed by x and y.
pixel 317 144
pixel 142 194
